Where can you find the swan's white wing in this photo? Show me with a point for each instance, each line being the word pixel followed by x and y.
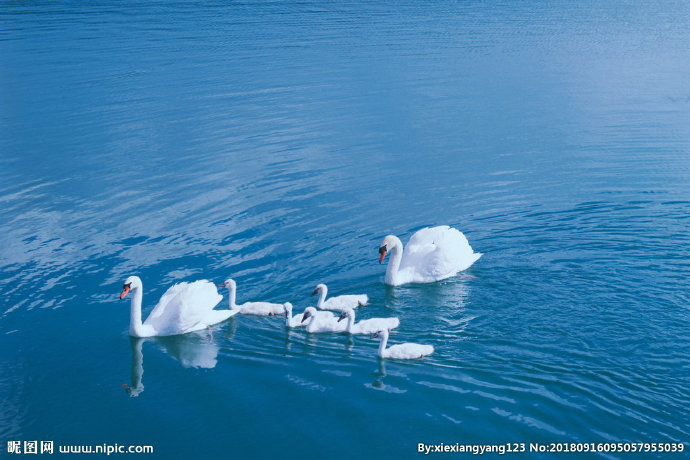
pixel 370 326
pixel 436 253
pixel 262 308
pixel 408 351
pixel 217 316
pixel 345 302
pixel 327 315
pixel 296 320
pixel 325 323
pixel 183 307
pixel 428 235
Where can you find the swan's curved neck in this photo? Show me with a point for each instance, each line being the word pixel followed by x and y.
pixel 322 297
pixel 396 253
pixel 383 343
pixel 310 325
pixel 136 328
pixel 288 318
pixel 350 321
pixel 232 292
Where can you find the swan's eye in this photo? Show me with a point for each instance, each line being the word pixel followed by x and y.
pixel 127 286
pixel 382 249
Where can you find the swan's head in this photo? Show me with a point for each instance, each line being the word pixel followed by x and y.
pixel 229 283
pixel 383 333
pixel 308 313
pixel 388 242
pixel 131 283
pixel 319 288
pixel 288 309
pixel 349 313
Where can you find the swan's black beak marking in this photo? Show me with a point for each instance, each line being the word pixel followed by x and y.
pixel 306 316
pixel 343 315
pixel 316 291
pixel 382 252
pixel 125 290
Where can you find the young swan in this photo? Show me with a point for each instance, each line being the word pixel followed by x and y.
pixel 296 321
pixel 403 350
pixel 338 303
pixel 251 308
pixel 317 323
pixel 367 326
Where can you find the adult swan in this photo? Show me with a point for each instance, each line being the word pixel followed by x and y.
pixel 432 254
pixel 185 307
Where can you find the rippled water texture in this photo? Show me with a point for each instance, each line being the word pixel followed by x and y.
pixel 278 143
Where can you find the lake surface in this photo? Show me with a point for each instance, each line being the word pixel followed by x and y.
pixel 278 143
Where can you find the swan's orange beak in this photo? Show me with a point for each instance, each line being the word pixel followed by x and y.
pixel 382 252
pixel 316 291
pixel 125 290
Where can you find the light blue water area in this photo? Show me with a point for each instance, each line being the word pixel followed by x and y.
pixel 278 143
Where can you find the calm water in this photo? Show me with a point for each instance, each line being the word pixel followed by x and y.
pixel 278 143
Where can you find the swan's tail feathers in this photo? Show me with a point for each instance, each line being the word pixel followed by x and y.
pixel 468 261
pixel 217 316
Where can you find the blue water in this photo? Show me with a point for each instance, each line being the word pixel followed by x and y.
pixel 278 143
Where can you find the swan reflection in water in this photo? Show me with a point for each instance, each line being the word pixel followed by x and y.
pixel 378 383
pixel 195 350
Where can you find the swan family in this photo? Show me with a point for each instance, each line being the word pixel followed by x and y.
pixel 432 254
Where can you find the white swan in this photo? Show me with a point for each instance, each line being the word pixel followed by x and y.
pixel 367 326
pixel 251 308
pixel 432 254
pixel 296 321
pixel 338 303
pixel 318 323
pixel 185 307
pixel 403 350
